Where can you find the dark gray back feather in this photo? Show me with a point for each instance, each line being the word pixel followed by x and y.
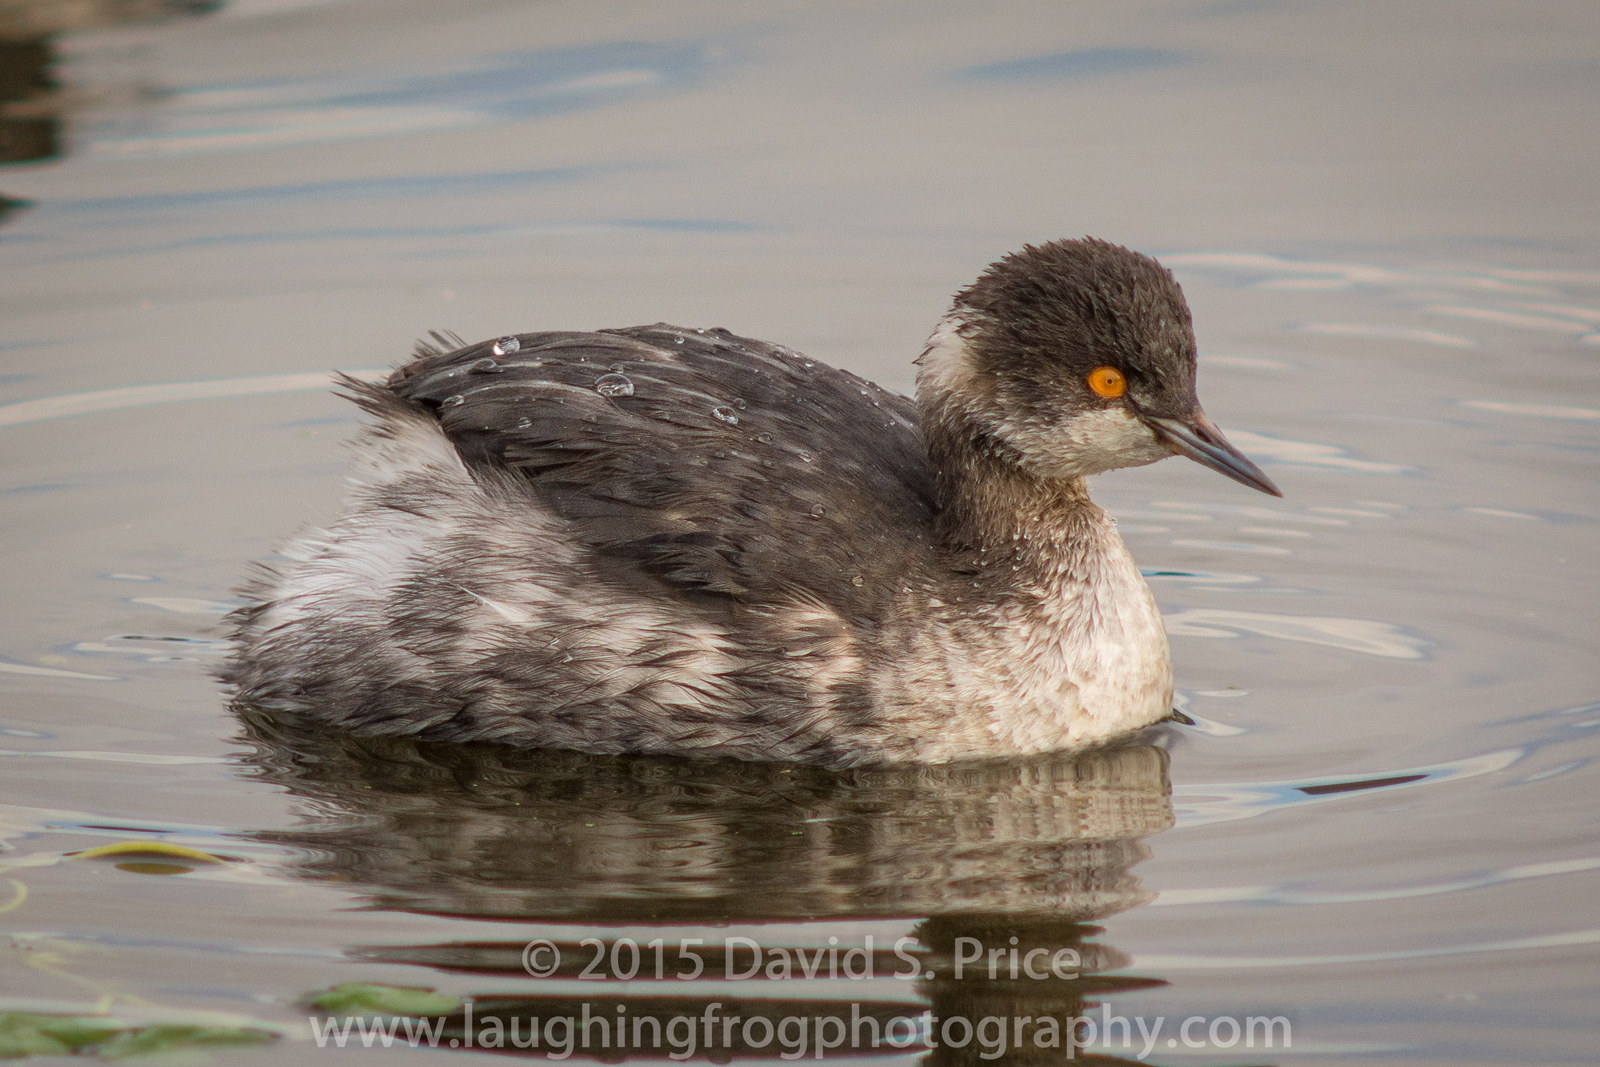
pixel 735 468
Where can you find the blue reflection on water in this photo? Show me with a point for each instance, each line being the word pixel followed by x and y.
pixel 395 233
pixel 1088 63
pixel 459 92
pixel 407 185
pixel 525 84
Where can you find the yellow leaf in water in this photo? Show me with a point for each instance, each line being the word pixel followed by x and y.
pixel 148 848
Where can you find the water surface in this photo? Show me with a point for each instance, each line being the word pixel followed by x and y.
pixel 1384 218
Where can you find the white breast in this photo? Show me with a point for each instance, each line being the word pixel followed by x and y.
pixel 1078 656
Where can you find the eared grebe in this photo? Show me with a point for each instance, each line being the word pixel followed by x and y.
pixel 680 541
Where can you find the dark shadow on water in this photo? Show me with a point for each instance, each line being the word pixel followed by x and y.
pixel 29 128
pixel 10 206
pixel 1008 855
pixel 30 101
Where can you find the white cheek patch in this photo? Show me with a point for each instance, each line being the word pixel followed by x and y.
pixel 1114 432
pixel 1091 442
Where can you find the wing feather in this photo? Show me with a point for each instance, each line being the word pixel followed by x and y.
pixel 734 468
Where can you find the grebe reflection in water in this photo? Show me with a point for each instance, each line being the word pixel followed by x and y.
pixel 560 844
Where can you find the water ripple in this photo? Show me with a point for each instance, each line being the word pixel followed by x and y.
pixel 1354 635
pixel 1424 289
pixel 51 672
pixel 1234 546
pixel 1254 894
pixel 1388 333
pixel 1509 318
pixel 1206 578
pixel 133 396
pixel 458 93
pixel 184 605
pixel 153 758
pixel 1307 454
pixel 1202 805
pixel 1538 411
pixel 1207 963
pixel 364 189
pixel 1086 63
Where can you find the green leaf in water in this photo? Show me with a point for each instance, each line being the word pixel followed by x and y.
pixel 355 997
pixel 170 1037
pixel 24 1034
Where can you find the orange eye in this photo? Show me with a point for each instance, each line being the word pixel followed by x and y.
pixel 1108 382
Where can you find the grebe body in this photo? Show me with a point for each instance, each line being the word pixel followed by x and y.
pixel 679 541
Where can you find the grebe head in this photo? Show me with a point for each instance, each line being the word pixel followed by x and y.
pixel 1069 359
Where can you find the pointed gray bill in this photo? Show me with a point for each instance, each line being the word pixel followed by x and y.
pixel 1198 438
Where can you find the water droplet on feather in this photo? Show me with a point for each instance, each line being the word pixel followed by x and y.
pixel 505 346
pixel 726 415
pixel 614 385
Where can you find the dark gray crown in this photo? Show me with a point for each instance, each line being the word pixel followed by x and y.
pixel 1048 314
